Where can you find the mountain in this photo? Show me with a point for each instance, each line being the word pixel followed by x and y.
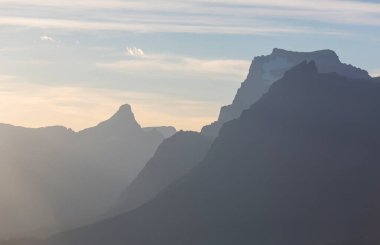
pixel 54 178
pixel 165 130
pixel 174 158
pixel 299 167
pixel 26 163
pixel 122 122
pixel 265 70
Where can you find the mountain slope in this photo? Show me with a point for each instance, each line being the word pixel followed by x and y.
pixel 265 70
pixel 53 178
pixel 175 157
pixel 299 167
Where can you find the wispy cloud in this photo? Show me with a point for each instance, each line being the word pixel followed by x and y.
pixel 46 38
pixel 155 27
pixel 191 16
pixel 221 68
pixel 6 78
pixel 134 52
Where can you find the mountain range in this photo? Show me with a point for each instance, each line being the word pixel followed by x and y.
pixel 292 161
pixel 299 167
pixel 54 178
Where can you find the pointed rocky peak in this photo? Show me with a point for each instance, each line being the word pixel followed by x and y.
pixel 123 121
pixel 123 118
pixel 124 114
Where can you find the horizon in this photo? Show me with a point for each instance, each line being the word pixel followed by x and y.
pixel 173 71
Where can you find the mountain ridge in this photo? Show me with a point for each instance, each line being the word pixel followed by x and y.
pixel 274 176
pixel 75 176
pixel 267 69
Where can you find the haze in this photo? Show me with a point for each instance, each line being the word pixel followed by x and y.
pixel 73 63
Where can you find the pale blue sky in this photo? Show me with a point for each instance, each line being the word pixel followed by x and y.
pixel 176 62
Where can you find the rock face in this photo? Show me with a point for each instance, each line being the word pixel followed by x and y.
pixel 174 158
pixel 53 178
pixel 265 70
pixel 301 166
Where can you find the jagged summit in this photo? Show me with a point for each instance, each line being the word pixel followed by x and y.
pixel 125 108
pixel 324 52
pixel 265 70
pixel 123 121
pixel 124 114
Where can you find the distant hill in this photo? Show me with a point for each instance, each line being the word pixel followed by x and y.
pixel 165 131
pixel 299 167
pixel 53 178
pixel 265 70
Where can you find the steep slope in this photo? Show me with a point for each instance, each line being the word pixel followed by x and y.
pixel 301 166
pixel 53 178
pixel 265 70
pixel 174 158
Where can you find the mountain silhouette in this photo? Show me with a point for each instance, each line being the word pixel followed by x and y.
pixel 175 157
pixel 299 167
pixel 265 70
pixel 122 122
pixel 54 178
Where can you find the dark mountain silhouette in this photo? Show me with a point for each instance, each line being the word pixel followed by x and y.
pixel 174 158
pixel 300 167
pixel 265 70
pixel 53 178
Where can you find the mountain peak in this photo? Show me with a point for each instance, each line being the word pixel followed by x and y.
pixel 122 121
pixel 265 70
pixel 328 53
pixel 125 107
pixel 125 111
pixel 123 117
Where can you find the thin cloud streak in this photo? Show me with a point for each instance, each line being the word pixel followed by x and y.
pixel 201 16
pixel 328 5
pixel 224 69
pixel 77 25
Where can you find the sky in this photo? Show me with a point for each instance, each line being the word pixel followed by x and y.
pixel 73 63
